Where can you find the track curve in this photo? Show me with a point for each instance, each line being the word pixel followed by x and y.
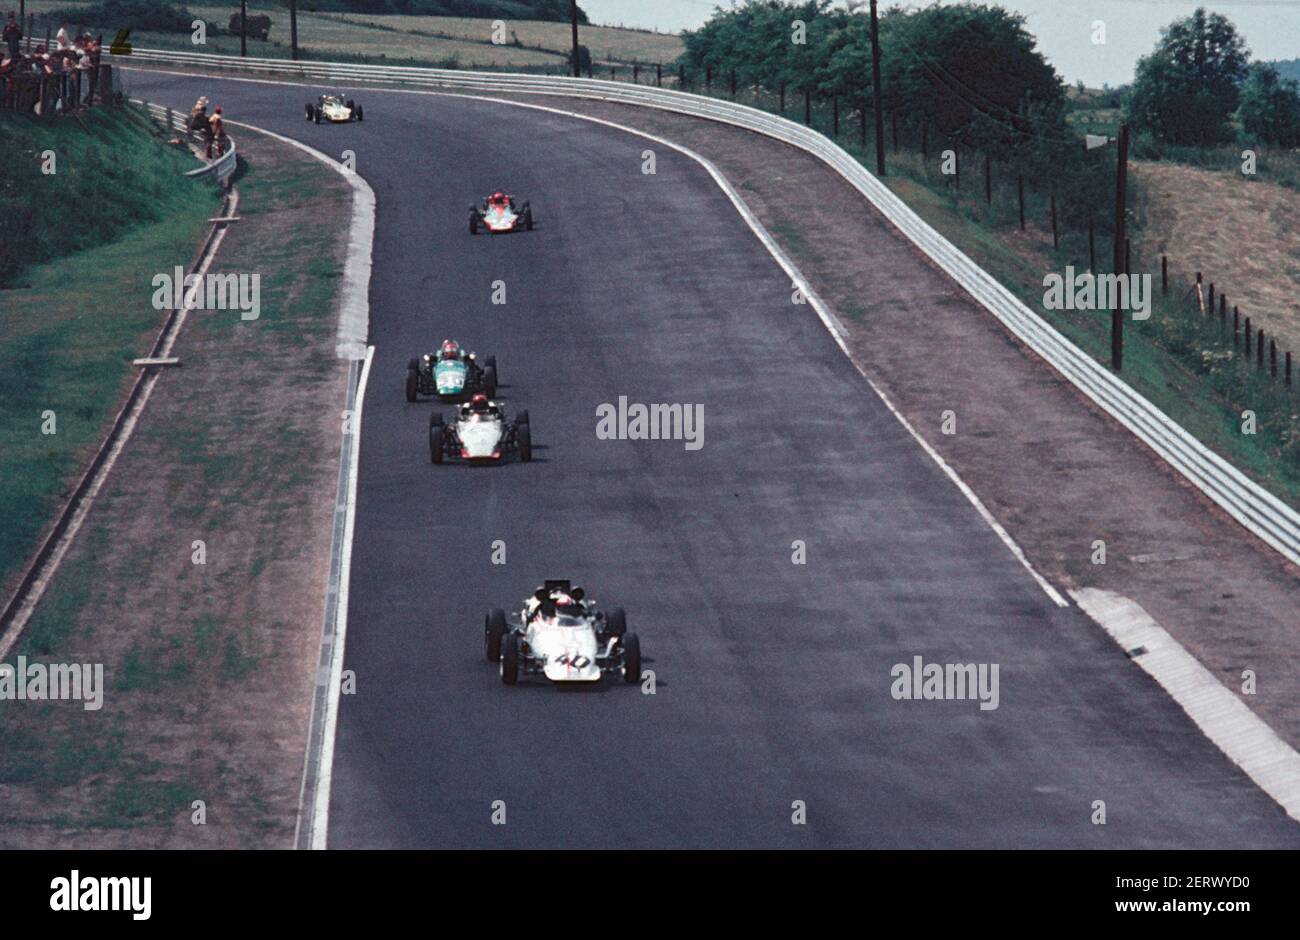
pixel 773 678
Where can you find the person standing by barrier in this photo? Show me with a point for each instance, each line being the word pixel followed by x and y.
pixel 215 132
pixel 13 34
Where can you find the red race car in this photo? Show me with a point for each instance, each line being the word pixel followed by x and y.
pixel 499 213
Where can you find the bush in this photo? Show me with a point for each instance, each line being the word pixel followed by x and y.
pixel 140 15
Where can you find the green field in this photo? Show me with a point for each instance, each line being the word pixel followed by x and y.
pixel 71 326
pixel 444 41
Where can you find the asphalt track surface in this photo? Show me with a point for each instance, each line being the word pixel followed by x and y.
pixel 773 679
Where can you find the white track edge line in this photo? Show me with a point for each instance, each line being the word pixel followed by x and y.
pixel 1228 722
pixel 325 773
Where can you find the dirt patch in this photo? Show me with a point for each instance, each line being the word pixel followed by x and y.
pixel 209 667
pixel 1056 472
pixel 1239 233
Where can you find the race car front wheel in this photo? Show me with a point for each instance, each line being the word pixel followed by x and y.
pixel 412 384
pixel 631 658
pixel 510 659
pixel 524 438
pixel 435 444
pixel 616 622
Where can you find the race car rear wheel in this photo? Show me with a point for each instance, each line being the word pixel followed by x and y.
pixel 631 658
pixel 616 622
pixel 510 659
pixel 494 631
pixel 360 116
pixel 435 443
pixel 310 109
pixel 528 220
pixel 412 383
pixel 473 224
pixel 524 438
pixel 490 381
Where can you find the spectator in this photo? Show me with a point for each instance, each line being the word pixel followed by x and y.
pixel 61 38
pixel 13 33
pixel 215 130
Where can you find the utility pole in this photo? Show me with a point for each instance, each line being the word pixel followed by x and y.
pixel 243 27
pixel 875 91
pixel 573 22
pixel 293 29
pixel 1121 188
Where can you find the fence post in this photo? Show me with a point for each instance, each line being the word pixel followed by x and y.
pixel 1164 273
pixel 733 83
pixel 1259 348
pixel 1092 244
pixel 681 76
pixel 1272 358
pixel 1209 307
pixel 1236 327
pixel 1056 241
pixel 807 106
pixel 1223 313
pixel 1249 333
pixel 659 75
pixel 636 73
pixel 1020 195
pixel 783 99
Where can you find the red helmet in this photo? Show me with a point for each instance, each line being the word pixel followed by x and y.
pixel 479 402
pixel 450 349
pixel 498 196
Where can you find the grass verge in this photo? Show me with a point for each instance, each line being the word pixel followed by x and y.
pixel 71 327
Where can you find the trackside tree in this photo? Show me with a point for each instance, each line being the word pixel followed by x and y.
pixel 967 77
pixel 1187 89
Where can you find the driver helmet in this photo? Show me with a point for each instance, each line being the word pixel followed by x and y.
pixel 450 349
pixel 498 198
pixel 565 604
pixel 479 403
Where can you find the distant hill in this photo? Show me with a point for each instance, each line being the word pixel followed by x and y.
pixel 553 10
pixel 1288 68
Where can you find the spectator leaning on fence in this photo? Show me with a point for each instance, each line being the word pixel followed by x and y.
pixel 13 33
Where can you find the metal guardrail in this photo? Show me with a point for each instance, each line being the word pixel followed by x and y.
pixel 1246 501
pixel 220 169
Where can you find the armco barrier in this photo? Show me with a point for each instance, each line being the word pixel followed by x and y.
pixel 1250 504
pixel 220 169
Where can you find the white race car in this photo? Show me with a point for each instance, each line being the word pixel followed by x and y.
pixel 563 636
pixel 334 108
pixel 498 214
pixel 480 432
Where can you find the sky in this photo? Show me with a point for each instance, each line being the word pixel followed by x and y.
pixel 1063 27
